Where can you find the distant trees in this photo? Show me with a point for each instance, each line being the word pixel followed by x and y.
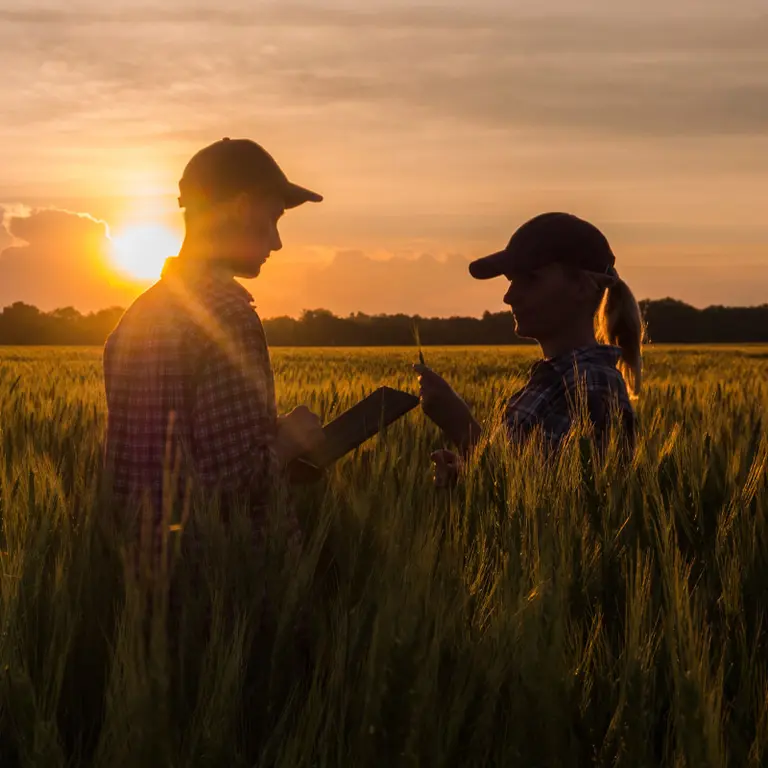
pixel 668 320
pixel 322 328
pixel 25 324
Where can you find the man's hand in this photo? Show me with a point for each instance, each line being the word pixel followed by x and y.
pixel 445 408
pixel 446 467
pixel 298 432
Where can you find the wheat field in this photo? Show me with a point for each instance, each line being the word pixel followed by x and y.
pixel 569 613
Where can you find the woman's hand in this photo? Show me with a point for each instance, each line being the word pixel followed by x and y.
pixel 446 467
pixel 438 400
pixel 445 408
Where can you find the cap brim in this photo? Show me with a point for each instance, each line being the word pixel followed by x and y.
pixel 294 195
pixel 494 265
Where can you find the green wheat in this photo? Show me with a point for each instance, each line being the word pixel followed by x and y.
pixel 565 613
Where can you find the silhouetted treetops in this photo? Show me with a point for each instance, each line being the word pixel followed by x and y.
pixel 668 321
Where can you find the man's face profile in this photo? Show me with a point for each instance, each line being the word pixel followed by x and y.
pixel 243 232
pixel 257 234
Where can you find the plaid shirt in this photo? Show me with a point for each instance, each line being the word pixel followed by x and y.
pixel 189 386
pixel 551 397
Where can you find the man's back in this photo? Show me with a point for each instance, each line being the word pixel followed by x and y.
pixel 188 378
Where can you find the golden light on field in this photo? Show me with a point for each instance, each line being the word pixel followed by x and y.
pixel 140 251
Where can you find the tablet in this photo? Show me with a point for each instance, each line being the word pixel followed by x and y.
pixel 360 423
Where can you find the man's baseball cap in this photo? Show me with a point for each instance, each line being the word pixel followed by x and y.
pixel 230 166
pixel 550 238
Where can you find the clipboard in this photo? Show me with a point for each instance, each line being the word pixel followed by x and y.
pixel 358 424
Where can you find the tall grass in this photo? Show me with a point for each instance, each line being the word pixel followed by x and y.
pixel 572 613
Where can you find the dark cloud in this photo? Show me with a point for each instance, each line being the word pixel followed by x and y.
pixel 609 74
pixel 62 260
pixel 276 15
pixel 550 24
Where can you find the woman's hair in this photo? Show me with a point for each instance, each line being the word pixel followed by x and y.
pixel 619 321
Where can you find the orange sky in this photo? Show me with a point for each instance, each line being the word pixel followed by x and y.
pixel 433 132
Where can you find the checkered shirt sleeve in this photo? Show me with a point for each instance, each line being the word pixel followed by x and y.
pixel 234 419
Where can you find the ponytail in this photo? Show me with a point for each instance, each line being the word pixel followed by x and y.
pixel 619 322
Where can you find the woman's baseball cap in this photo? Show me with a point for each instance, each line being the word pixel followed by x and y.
pixel 550 238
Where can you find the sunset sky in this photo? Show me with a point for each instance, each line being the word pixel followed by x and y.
pixel 433 130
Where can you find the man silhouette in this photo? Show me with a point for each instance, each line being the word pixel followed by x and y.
pixel 189 384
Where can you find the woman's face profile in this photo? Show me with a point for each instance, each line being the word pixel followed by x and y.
pixel 545 301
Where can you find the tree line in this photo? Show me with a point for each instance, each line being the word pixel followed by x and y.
pixel 668 321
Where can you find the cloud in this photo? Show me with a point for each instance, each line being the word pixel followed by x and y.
pixel 156 72
pixel 5 236
pixel 54 258
pixel 738 284
pixel 51 226
pixel 60 258
pixel 431 128
pixel 355 282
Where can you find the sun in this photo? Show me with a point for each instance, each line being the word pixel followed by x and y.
pixel 140 251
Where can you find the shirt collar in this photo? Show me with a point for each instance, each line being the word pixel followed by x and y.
pixel 606 355
pixel 201 274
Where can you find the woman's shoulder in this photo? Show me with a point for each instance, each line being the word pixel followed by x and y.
pixel 595 370
pixel 597 361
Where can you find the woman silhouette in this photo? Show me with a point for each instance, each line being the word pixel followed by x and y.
pixel 565 293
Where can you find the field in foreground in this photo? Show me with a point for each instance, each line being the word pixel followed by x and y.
pixel 568 615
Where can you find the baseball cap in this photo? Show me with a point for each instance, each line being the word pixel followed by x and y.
pixel 549 238
pixel 229 166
